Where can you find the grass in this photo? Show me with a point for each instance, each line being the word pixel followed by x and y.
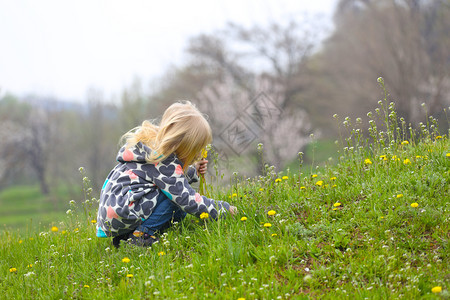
pixel 25 207
pixel 373 226
pixel 316 154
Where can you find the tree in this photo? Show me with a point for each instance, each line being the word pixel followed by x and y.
pixel 133 107
pixel 229 70
pixel 37 145
pixel 405 42
pixel 99 138
pixel 12 160
pixel 243 120
pixel 25 138
pixel 279 52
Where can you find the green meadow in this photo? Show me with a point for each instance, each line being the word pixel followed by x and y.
pixel 24 207
pixel 373 223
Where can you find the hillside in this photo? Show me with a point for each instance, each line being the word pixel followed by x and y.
pixel 374 225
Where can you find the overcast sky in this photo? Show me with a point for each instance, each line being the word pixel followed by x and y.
pixel 61 48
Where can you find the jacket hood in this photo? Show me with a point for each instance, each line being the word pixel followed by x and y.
pixel 136 154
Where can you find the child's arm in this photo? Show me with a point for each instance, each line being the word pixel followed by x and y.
pixel 193 171
pixel 191 174
pixel 169 177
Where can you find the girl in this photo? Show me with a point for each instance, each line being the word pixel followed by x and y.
pixel 150 187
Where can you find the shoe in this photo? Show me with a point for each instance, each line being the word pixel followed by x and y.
pixel 142 239
pixel 116 240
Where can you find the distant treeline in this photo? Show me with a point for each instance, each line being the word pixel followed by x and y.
pixel 273 85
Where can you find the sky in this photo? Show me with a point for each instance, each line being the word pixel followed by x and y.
pixel 60 49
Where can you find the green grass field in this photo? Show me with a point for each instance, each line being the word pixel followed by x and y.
pixel 25 208
pixel 373 226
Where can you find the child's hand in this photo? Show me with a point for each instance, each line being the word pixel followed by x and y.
pixel 233 210
pixel 202 166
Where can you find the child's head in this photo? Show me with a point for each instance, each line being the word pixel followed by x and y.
pixel 183 130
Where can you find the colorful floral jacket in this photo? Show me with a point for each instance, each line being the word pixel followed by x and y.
pixel 129 193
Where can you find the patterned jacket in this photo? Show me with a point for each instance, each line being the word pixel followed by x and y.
pixel 129 193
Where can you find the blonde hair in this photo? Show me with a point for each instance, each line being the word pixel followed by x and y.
pixel 183 130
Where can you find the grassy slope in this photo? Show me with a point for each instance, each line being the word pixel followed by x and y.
pixel 24 207
pixel 373 244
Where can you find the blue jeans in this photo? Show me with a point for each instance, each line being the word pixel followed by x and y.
pixel 165 213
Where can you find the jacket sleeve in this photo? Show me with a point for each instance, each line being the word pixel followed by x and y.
pixel 191 174
pixel 168 176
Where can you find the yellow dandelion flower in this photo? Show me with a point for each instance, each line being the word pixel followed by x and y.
pixel 76 230
pixel 394 157
pixel 438 137
pixel 399 195
pixel 93 221
pixel 274 234
pixel 86 286
pixel 30 266
pixel 414 204
pixel 383 157
pixel 64 232
pixel 447 155
pixel 335 208
pixel 314 175
pixel 407 161
pixel 267 225
pixel 436 289
pixel 261 189
pixel 129 275
pixel 319 183
pixel 234 195
pixel 271 212
pixel 337 204
pixel 54 229
pixel 204 215
pixel 126 260
pixel 20 241
pixel 285 177
pixel 244 219
pixel 303 188
pixel 161 253
pixel 241 298
pixel 333 186
pixel 12 270
pixel 367 161
pixel 333 178
pixel 405 143
pixel 204 153
pixel 278 180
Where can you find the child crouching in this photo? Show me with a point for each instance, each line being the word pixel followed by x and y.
pixel 150 187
